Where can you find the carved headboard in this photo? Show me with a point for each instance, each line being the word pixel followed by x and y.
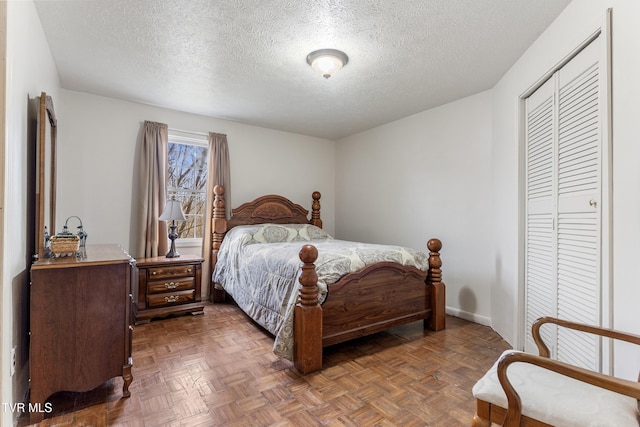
pixel 266 209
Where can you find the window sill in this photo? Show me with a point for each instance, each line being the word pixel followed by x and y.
pixel 188 243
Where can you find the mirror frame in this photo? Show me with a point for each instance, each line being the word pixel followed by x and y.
pixel 45 194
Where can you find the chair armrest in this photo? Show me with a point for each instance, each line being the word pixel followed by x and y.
pixel 514 409
pixel 543 350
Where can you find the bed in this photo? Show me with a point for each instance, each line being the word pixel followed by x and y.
pixel 310 290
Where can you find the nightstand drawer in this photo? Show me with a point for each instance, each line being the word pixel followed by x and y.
pixel 173 298
pixel 167 272
pixel 179 284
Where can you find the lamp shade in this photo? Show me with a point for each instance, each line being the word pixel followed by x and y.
pixel 172 211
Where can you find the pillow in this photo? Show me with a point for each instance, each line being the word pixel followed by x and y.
pixel 280 233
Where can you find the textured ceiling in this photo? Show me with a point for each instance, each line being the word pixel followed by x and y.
pixel 245 60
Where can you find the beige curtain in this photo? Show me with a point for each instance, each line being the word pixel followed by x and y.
pixel 152 193
pixel 219 174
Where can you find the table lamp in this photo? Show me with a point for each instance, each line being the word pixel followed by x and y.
pixel 172 212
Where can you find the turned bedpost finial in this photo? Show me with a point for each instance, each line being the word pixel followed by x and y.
pixel 218 230
pixel 218 197
pixel 434 280
pixel 218 215
pixel 315 210
pixel 307 322
pixel 308 279
pixel 435 262
pixel 218 205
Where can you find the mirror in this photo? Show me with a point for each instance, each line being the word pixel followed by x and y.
pixel 45 175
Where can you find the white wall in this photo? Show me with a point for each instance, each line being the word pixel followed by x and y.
pixel 579 19
pixel 98 149
pixel 427 175
pixel 30 71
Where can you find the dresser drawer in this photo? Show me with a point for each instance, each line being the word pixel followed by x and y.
pixel 170 298
pixel 167 272
pixel 178 284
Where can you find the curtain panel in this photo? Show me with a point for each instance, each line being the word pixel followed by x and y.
pixel 152 192
pixel 219 174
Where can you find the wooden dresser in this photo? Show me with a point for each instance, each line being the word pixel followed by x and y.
pixel 81 322
pixel 168 286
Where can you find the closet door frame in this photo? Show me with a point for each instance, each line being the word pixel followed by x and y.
pixel 603 30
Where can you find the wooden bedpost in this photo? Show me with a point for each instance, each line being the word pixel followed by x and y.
pixel 307 321
pixel 315 210
pixel 218 230
pixel 434 280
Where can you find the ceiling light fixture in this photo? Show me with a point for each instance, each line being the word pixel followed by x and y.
pixel 327 61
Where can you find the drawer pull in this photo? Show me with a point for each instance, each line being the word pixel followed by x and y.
pixel 172 298
pixel 189 270
pixel 171 285
pixel 153 273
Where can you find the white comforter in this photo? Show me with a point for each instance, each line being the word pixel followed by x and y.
pixel 258 265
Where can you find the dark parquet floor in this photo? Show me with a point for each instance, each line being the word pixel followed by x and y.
pixel 217 369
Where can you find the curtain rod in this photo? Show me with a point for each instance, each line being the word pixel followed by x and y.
pixel 189 132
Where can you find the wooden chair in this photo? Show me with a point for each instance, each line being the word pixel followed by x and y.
pixel 553 393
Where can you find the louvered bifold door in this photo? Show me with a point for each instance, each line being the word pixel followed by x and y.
pixel 540 280
pixel 563 195
pixel 579 179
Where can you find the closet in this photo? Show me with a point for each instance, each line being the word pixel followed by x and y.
pixel 564 182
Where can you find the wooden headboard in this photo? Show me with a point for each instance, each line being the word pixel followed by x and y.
pixel 269 209
pixel 266 209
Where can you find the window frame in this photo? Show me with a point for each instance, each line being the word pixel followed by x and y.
pixel 194 139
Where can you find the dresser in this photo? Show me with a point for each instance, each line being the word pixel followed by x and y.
pixel 168 286
pixel 80 322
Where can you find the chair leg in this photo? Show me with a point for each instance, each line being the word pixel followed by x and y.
pixel 482 418
pixel 479 422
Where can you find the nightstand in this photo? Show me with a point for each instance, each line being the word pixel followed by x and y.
pixel 168 286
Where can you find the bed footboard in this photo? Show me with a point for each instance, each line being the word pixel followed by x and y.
pixel 376 298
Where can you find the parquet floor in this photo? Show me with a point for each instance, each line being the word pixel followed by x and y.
pixel 218 370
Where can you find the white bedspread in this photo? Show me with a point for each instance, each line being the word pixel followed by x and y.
pixel 258 265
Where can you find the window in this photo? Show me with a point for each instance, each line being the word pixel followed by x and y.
pixel 187 181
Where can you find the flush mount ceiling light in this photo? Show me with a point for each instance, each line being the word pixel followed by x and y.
pixel 327 61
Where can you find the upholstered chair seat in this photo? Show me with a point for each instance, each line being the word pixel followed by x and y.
pixel 526 390
pixel 558 400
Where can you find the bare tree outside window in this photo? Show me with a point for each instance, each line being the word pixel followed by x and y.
pixel 187 181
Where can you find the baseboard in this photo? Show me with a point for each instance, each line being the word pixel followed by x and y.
pixel 472 317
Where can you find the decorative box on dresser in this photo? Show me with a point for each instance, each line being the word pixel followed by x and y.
pixel 168 286
pixel 80 322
